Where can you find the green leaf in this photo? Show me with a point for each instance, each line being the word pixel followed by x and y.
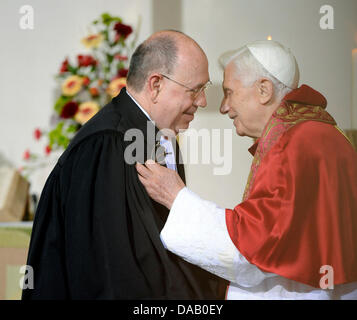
pixel 106 19
pixel 63 141
pixel 106 35
pixel 72 128
pixel 61 101
pixel 110 58
pixel 58 138
pixel 72 70
pixel 117 19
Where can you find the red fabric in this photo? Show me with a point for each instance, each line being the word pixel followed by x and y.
pixel 307 95
pixel 301 212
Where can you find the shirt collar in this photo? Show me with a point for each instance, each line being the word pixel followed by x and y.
pixel 140 107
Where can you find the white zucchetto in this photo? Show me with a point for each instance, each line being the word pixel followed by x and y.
pixel 274 57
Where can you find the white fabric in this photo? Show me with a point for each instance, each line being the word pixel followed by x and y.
pixel 274 57
pixel 277 60
pixel 170 155
pixel 196 230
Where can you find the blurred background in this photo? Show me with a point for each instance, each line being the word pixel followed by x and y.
pixel 321 39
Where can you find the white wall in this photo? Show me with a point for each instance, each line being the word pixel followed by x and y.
pixel 324 57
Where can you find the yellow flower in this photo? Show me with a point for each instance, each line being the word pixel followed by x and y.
pixel 92 41
pixel 72 85
pixel 86 110
pixel 115 86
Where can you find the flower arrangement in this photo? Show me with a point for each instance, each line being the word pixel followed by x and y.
pixel 87 83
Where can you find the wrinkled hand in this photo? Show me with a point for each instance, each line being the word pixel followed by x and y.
pixel 162 184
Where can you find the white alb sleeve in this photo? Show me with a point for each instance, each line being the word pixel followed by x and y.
pixel 196 230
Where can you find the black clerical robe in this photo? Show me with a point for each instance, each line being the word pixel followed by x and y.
pixel 96 232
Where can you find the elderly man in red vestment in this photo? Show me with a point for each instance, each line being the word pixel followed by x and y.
pixel 294 235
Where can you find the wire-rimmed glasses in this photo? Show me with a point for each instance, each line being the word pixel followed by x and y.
pixel 194 92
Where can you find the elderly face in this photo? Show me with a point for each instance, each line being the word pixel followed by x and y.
pixel 177 103
pixel 241 104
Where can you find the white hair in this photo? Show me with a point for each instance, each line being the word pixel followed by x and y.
pixel 249 70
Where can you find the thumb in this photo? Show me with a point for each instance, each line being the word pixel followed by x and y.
pixel 150 161
pixel 150 164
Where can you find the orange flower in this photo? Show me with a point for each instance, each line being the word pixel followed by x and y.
pixel 72 85
pixel 92 41
pixel 115 86
pixel 94 91
pixel 86 111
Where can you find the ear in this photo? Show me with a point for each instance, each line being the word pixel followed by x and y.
pixel 154 85
pixel 265 90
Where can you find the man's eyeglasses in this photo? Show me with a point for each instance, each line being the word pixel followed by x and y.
pixel 194 92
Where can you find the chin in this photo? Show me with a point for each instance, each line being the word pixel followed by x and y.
pixel 182 128
pixel 240 132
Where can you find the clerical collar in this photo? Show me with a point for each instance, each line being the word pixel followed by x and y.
pixel 140 107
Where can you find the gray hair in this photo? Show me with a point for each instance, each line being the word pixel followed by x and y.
pixel 249 70
pixel 158 54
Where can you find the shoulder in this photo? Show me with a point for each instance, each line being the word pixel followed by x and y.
pixel 105 143
pixel 315 139
pixel 312 134
pixel 103 125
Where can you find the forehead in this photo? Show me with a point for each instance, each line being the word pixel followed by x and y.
pixel 230 71
pixel 192 58
pixel 230 78
pixel 193 72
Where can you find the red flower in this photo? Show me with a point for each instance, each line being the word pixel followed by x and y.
pixel 69 110
pixel 123 29
pixel 120 57
pixel 64 66
pixel 122 73
pixel 86 81
pixel 37 134
pixel 26 155
pixel 86 60
pixel 48 149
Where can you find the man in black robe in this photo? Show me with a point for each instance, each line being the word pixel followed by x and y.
pixel 96 233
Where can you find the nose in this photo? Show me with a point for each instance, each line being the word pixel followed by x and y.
pixel 224 107
pixel 201 100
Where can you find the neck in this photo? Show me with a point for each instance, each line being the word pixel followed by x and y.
pixel 140 99
pixel 269 112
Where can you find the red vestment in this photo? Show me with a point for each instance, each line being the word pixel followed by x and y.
pixel 299 210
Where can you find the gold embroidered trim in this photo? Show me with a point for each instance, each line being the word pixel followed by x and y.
pixel 285 117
